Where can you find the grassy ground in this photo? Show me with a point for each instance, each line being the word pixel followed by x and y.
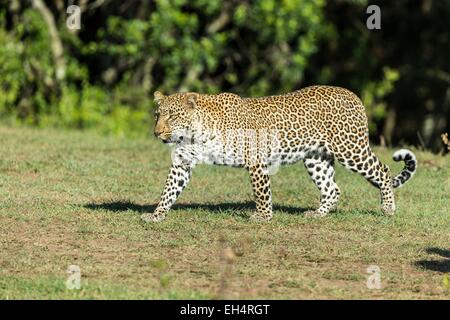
pixel 71 198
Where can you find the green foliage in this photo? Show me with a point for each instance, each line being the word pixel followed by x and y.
pixel 10 69
pixel 374 92
pixel 265 47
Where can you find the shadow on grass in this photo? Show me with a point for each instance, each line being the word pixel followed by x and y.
pixel 442 265
pixel 235 208
pixel 119 206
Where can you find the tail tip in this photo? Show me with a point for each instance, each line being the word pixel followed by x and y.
pixel 410 167
pixel 403 154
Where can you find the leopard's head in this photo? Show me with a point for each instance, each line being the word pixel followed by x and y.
pixel 174 115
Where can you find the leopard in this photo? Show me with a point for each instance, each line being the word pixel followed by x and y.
pixel 319 125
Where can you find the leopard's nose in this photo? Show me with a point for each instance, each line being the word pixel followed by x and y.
pixel 157 132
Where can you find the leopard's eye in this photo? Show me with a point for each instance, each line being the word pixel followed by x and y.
pixel 172 116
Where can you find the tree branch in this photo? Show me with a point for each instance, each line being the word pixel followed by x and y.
pixel 221 21
pixel 56 43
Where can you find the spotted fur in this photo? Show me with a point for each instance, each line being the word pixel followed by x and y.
pixel 318 125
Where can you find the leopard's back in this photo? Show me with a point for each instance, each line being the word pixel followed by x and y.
pixel 303 121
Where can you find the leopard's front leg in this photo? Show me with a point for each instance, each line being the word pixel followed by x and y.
pixel 177 180
pixel 261 189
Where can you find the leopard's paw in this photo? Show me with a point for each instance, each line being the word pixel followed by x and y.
pixel 315 214
pixel 153 217
pixel 388 210
pixel 260 217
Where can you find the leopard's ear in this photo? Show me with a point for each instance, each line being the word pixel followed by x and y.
pixel 158 96
pixel 191 100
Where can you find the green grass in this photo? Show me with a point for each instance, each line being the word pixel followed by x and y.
pixel 74 198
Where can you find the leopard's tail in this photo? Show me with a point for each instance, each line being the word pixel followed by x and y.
pixel 409 169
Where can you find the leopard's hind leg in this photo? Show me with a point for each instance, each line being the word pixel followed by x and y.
pixel 320 168
pixel 366 163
